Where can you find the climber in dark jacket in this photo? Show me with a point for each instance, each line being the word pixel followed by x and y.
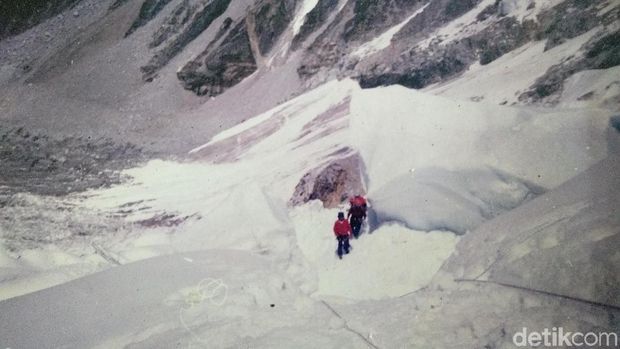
pixel 357 214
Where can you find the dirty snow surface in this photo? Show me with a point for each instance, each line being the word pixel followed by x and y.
pixel 471 207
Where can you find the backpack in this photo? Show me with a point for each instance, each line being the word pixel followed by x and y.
pixel 358 200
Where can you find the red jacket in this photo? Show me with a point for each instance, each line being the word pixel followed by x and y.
pixel 342 228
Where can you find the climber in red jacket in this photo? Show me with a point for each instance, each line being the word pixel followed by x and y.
pixel 342 230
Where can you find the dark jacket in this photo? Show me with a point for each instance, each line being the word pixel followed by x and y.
pixel 357 212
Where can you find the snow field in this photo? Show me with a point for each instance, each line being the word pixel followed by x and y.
pixel 390 262
pixel 215 298
pixel 431 198
pixel 407 139
pixel 397 130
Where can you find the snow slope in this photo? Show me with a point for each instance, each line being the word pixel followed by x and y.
pixel 227 213
pixel 457 201
pixel 223 298
pixel 548 263
pixel 397 260
pixel 573 230
pixel 206 299
pixel 231 198
pixel 397 130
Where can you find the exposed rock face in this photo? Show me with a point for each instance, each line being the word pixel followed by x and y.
pixel 332 184
pixel 314 20
pixel 225 62
pixel 356 22
pixel 420 68
pixel 188 30
pixel 116 4
pixel 218 69
pixel 509 35
pixel 271 18
pixel 417 66
pixel 600 53
pixel 148 11
pixel 438 13
pixel 570 19
pixel 370 17
pixel 175 22
pixel 18 16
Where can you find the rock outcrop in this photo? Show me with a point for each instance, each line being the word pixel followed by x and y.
pixel 331 183
pixel 188 30
pixel 225 62
pixel 414 64
pixel 271 18
pixel 316 18
pixel 148 11
pixel 421 66
pixel 220 68
pixel 599 53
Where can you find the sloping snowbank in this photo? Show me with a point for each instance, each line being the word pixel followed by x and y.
pixel 551 262
pixel 564 242
pixel 207 299
pixel 484 159
pixel 397 130
pixel 390 262
pixel 432 198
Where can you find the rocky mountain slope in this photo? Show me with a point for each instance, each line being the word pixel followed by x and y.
pixel 125 69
